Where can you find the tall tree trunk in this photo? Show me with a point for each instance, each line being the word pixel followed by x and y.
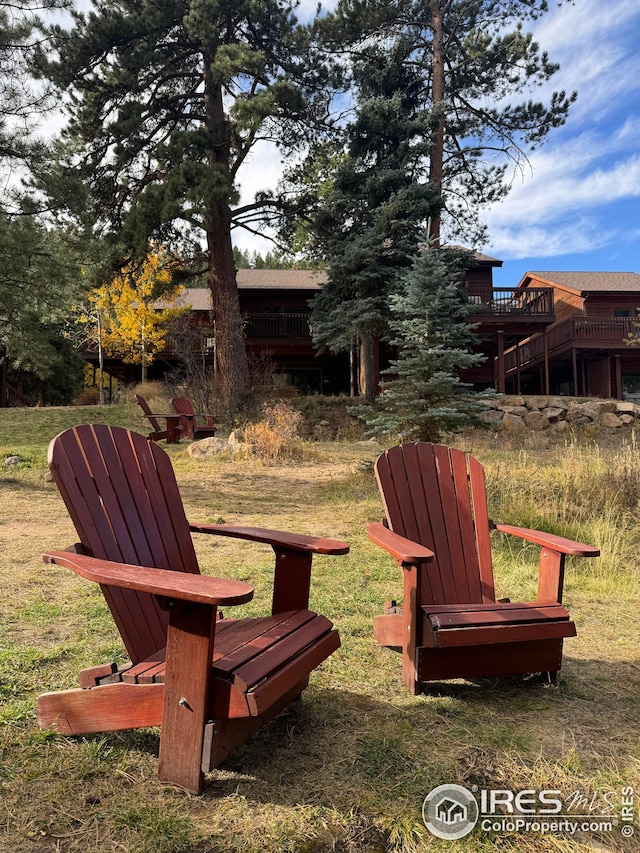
pixel 436 159
pixel 367 368
pixel 233 370
pixel 231 354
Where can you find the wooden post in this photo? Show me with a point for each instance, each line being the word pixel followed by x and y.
pixel 618 368
pixel 501 377
pixel 546 362
pixel 574 363
pixel 412 628
pixel 292 580
pixel 551 575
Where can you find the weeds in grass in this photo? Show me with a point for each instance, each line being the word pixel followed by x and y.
pixel 276 435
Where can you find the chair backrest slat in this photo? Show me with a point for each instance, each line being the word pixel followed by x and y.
pixel 183 406
pixel 149 414
pixel 122 495
pixel 479 496
pixel 435 495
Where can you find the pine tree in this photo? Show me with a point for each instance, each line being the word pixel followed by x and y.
pixel 167 99
pixel 476 66
pixel 424 394
pixel 39 282
pixel 22 101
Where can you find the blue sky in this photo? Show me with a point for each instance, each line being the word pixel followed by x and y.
pixel 576 206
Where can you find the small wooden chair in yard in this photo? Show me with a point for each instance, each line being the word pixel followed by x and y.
pixel 209 682
pixel 189 419
pixel 172 431
pixel 438 530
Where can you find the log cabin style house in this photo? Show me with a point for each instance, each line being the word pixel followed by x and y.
pixel 591 348
pixel 553 333
pixel 567 333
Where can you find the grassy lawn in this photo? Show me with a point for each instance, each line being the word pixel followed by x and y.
pixel 348 768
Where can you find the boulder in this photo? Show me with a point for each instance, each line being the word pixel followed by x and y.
pixel 627 419
pixel 515 410
pixel 574 413
pixel 207 447
pixel 556 403
pixel 513 423
pixel 554 413
pixel 625 407
pixel 490 416
pixel 592 409
pixel 535 420
pixel 235 437
pixel 610 419
pixel 538 402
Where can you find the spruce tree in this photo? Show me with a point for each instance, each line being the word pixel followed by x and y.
pixel 376 211
pixel 423 394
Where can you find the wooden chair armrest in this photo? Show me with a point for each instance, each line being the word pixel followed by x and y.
pixel 404 550
pixel 276 538
pixel 549 540
pixel 164 582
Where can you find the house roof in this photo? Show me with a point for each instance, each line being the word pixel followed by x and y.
pixel 479 256
pixel 588 282
pixel 200 297
pixel 281 279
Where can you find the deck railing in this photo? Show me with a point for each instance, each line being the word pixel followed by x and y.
pixel 506 301
pixel 277 325
pixel 12 397
pixel 581 331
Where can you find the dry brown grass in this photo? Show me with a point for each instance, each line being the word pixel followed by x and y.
pixel 347 768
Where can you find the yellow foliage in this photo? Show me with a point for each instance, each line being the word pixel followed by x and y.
pixel 131 320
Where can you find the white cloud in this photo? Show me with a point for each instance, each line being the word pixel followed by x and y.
pixel 580 235
pixel 567 203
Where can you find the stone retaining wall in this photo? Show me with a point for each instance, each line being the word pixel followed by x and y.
pixel 557 413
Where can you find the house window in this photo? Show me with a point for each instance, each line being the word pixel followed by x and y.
pixel 631 387
pixel 621 312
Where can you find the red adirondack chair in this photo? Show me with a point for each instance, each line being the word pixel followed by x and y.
pixel 209 682
pixel 437 529
pixel 173 429
pixel 189 419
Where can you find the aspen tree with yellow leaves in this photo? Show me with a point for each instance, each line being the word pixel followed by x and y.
pixel 128 316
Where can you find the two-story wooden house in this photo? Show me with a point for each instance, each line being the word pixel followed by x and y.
pixel 589 350
pixel 275 306
pixel 561 333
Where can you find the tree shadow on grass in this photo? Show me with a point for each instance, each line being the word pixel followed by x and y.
pixel 352 749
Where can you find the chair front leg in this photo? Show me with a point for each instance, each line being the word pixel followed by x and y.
pixel 190 640
pixel 551 575
pixel 412 627
pixel 292 580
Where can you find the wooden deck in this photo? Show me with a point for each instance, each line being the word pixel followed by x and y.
pixel 574 333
